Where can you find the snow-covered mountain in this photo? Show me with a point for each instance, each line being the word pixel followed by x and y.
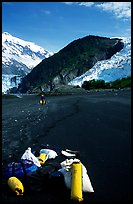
pixel 117 67
pixel 27 54
pixel 22 55
pixel 19 57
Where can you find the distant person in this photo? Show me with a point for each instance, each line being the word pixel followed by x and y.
pixel 42 100
pixel 8 91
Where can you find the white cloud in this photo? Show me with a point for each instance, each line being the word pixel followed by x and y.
pixel 120 9
pixel 68 3
pixel 87 4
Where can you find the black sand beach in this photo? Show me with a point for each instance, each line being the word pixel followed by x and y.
pixel 98 124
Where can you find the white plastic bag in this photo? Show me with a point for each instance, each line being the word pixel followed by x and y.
pixel 29 156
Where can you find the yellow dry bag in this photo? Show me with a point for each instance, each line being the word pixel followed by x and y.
pixel 42 102
pixel 16 185
pixel 76 183
pixel 42 158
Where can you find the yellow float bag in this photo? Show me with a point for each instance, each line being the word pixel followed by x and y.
pixel 16 185
pixel 42 102
pixel 76 182
pixel 42 158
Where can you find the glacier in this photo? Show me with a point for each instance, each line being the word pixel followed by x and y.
pixel 19 57
pixel 8 83
pixel 117 67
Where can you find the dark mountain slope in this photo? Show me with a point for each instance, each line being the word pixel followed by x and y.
pixel 70 62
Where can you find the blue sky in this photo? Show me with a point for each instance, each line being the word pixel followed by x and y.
pixel 53 25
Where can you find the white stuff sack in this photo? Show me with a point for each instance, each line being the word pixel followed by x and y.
pixel 50 153
pixel 86 184
pixel 29 156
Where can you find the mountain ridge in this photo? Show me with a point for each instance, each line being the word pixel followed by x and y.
pixel 90 57
pixel 70 62
pixel 20 56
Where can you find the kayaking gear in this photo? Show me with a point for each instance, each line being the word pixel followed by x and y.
pixel 42 158
pixel 28 155
pixel 67 154
pixel 42 100
pixel 16 185
pixel 19 169
pixel 45 178
pixel 76 183
pixel 49 152
pixel 66 170
pixel 53 170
